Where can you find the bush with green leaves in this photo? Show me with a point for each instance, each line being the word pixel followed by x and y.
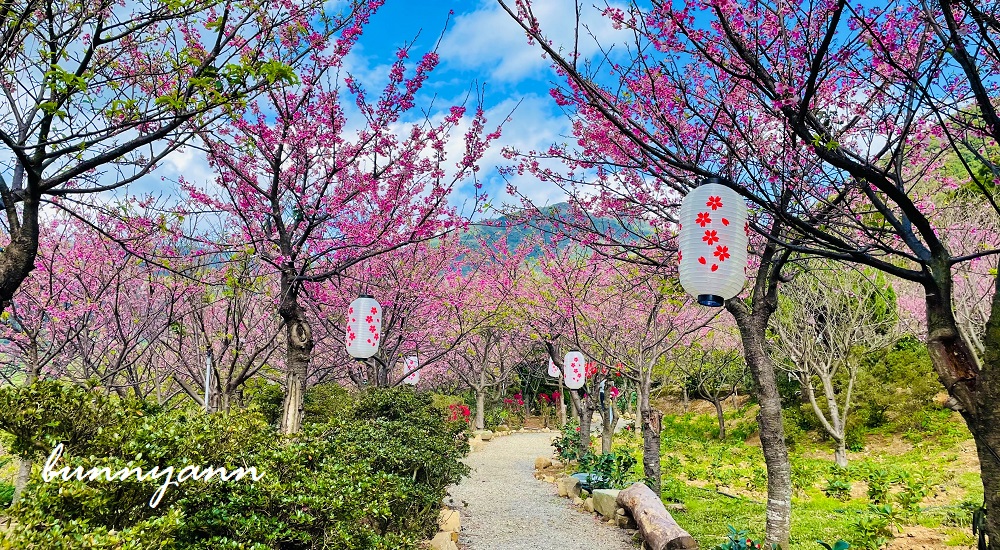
pixel 838 488
pixel 6 494
pixel 874 529
pixel 609 470
pixel 324 401
pixel 567 444
pixel 739 540
pixel 370 478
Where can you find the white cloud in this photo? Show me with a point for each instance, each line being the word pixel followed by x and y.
pixel 534 125
pixel 489 39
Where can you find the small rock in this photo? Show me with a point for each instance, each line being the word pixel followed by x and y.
pixel 676 507
pixel 485 435
pixel 542 462
pixel 443 541
pixel 546 430
pixel 578 501
pixel 588 505
pixel 625 521
pixel 556 464
pixel 606 502
pixel 503 428
pixel 549 479
pixel 449 521
pixel 569 487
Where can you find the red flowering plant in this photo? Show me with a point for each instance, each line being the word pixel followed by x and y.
pixel 546 407
pixel 459 412
pixel 515 407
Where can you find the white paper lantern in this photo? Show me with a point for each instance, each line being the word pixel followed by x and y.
pixel 574 370
pixel 411 370
pixel 364 327
pixel 713 243
pixel 553 369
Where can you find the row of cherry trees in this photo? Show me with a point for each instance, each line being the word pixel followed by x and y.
pixel 836 122
pixel 852 130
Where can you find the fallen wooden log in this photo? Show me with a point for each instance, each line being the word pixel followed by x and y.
pixel 657 527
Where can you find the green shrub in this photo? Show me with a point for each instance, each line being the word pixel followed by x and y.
pixel 371 478
pixel 804 473
pixel 838 488
pixel 567 444
pixel 324 401
pixel 879 482
pixel 913 493
pixel 874 529
pixel 854 439
pixel 498 416
pixel 895 386
pixel 6 494
pixel 266 397
pixel 738 540
pixel 613 470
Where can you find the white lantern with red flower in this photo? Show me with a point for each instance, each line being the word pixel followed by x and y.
pixel 411 369
pixel 364 327
pixel 712 244
pixel 574 370
pixel 553 369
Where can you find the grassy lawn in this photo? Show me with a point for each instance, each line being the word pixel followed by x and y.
pixel 928 476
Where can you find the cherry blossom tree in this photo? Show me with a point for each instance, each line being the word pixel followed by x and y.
pixel 626 318
pixel 96 94
pixel 313 192
pixel 831 119
pixel 223 336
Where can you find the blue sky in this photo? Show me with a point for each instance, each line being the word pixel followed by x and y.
pixel 482 47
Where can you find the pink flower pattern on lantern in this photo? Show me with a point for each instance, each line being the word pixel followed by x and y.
pixel 711 237
pixel 359 321
pixel 574 373
pixel 703 219
pixel 714 202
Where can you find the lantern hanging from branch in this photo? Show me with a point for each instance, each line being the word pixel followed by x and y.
pixel 411 368
pixel 553 369
pixel 364 327
pixel 712 244
pixel 573 370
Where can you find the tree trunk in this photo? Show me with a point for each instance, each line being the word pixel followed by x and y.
pixel 299 346
pixel 23 475
pixel 607 431
pixel 651 422
pixel 24 464
pixel 722 418
pixel 480 409
pixel 772 432
pixel 17 259
pixel 582 406
pixel 562 403
pixel 985 424
pixel 684 391
pixel 840 455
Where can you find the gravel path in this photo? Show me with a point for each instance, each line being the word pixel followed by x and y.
pixel 508 509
